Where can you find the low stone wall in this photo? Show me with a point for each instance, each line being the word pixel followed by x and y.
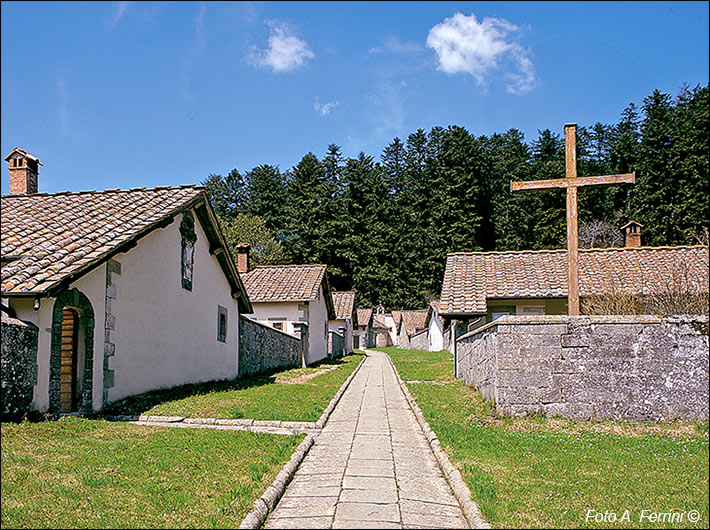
pixel 419 341
pixel 264 348
pixel 18 366
pixel 636 368
pixel 336 344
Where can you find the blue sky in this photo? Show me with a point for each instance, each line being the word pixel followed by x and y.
pixel 121 94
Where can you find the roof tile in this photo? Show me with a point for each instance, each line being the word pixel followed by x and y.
pixel 57 234
pixel 344 304
pixel 472 278
pixel 284 283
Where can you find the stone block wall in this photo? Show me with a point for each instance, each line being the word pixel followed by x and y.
pixel 264 348
pixel 419 341
pixel 18 366
pixel 636 368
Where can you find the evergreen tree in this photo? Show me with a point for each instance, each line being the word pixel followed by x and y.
pixel 227 194
pixel 655 179
pixel 385 229
pixel 510 223
pixel 265 192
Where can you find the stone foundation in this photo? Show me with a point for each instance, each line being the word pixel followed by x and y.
pixel 636 368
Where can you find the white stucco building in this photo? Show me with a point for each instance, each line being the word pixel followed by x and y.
pixel 284 296
pixel 345 317
pixel 361 332
pixel 131 290
pixel 435 327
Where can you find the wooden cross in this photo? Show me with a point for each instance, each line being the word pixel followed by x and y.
pixel 571 182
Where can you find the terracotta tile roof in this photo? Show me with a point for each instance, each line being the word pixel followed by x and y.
pixel 344 304
pixel 472 278
pixel 284 283
pixel 50 238
pixel 414 321
pixel 397 316
pixel 364 316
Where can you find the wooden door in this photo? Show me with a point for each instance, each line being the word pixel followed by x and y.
pixel 68 379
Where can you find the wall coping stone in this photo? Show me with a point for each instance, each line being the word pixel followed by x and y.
pixel 518 320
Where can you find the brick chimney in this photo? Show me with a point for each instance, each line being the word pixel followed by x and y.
pixel 24 169
pixel 243 257
pixel 632 229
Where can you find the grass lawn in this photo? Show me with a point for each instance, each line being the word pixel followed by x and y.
pixel 78 473
pixel 300 394
pixel 548 472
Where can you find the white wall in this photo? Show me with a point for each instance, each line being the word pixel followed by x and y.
pixel 389 322
pixel 316 316
pixel 317 328
pixel 166 335
pixel 436 334
pixel 335 325
pixel 285 312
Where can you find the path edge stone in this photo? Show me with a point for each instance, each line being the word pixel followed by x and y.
pixel 463 495
pixel 264 505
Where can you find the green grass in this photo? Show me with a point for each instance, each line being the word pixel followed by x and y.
pixel 293 395
pixel 79 473
pixel 548 472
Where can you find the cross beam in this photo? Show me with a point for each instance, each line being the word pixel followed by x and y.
pixel 624 178
pixel 571 182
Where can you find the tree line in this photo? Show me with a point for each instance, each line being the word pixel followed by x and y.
pixel 384 226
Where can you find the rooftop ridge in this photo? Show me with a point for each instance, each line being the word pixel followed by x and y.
pixel 562 250
pixel 290 265
pixel 107 191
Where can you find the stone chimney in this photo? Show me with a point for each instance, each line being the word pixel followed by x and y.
pixel 243 257
pixel 632 229
pixel 24 169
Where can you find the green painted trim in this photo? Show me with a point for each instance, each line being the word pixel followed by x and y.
pixel 188 239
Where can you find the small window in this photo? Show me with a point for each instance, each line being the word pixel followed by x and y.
pixel 495 312
pixel 532 310
pixel 279 326
pixel 221 324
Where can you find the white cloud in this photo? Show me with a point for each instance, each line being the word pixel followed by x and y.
pixel 196 50
pixel 394 45
pixel 324 108
pixel 479 48
pixel 119 12
pixel 285 51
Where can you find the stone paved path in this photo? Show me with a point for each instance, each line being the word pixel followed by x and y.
pixel 371 466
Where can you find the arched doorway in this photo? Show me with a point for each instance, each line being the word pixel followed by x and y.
pixel 71 360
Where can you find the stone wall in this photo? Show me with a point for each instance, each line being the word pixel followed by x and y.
pixel 336 344
pixel 18 366
pixel 637 368
pixel 419 341
pixel 264 348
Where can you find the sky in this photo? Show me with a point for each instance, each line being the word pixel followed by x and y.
pixel 122 94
